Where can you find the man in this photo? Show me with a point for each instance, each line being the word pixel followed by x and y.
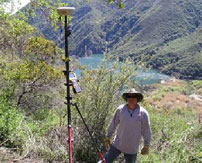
pixel 133 123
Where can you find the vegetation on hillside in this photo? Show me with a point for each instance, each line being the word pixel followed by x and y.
pixel 166 33
pixel 166 37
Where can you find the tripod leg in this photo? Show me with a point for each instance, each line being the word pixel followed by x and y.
pixel 91 136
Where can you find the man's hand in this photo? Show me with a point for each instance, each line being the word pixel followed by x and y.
pixel 145 150
pixel 107 142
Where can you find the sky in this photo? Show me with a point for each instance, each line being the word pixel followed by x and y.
pixel 17 5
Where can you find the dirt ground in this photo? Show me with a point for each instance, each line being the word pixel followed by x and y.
pixel 7 156
pixel 175 99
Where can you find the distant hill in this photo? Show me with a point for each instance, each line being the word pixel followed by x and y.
pixel 166 35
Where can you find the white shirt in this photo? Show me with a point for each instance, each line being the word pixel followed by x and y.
pixel 130 129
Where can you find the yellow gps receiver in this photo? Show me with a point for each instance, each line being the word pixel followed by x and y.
pixel 74 81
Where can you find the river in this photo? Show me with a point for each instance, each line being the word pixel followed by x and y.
pixel 143 77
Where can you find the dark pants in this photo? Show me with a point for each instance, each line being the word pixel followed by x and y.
pixel 113 153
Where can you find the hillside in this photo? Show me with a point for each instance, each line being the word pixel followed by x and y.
pixel 167 37
pixel 159 32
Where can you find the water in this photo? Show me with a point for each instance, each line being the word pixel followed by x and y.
pixel 143 77
pixel 150 76
pixel 92 61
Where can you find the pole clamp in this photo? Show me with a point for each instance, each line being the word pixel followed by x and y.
pixel 68 31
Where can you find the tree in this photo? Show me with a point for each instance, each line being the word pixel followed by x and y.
pixel 33 62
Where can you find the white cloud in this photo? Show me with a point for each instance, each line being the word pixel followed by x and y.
pixel 15 5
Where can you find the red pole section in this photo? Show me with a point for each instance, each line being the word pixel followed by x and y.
pixel 102 157
pixel 70 143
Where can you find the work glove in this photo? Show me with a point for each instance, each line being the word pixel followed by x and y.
pixel 145 150
pixel 107 142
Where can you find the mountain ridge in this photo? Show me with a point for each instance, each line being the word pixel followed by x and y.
pixel 142 30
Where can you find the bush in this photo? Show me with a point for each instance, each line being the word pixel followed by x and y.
pixel 101 90
pixel 173 136
pixel 10 120
pixel 197 85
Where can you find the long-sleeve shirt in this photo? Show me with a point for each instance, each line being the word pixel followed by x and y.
pixel 130 129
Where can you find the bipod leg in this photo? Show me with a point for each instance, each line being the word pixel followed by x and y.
pixel 90 134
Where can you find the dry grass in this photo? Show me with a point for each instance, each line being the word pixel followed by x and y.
pixel 175 98
pixel 8 156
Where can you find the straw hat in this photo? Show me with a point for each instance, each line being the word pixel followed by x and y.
pixel 132 92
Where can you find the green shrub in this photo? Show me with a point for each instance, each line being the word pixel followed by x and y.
pixel 174 137
pixel 101 90
pixel 42 120
pixel 187 90
pixel 197 84
pixel 10 120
